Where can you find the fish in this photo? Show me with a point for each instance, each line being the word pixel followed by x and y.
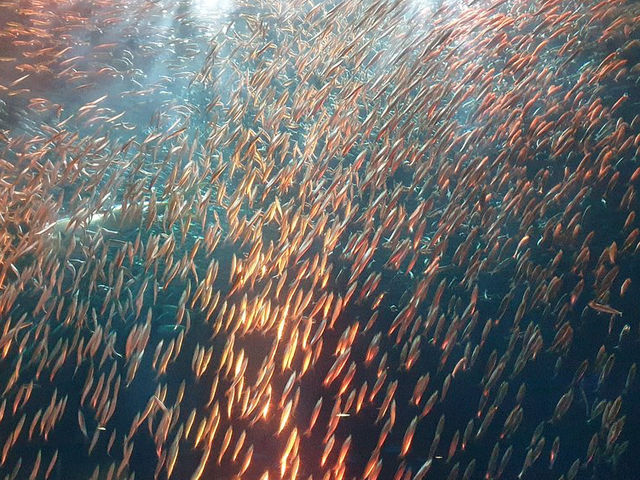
pixel 599 307
pixel 311 203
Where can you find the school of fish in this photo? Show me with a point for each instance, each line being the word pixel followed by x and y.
pixel 380 239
